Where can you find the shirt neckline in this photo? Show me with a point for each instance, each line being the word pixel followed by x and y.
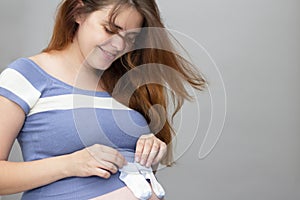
pixel 74 89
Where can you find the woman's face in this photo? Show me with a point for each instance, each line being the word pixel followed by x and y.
pixel 95 41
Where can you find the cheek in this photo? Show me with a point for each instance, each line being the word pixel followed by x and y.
pixel 96 37
pixel 86 40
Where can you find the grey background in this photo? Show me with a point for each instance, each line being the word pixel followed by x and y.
pixel 256 47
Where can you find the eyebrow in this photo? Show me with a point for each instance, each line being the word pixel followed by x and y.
pixel 122 29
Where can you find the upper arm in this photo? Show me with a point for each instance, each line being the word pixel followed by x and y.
pixel 12 117
pixel 21 85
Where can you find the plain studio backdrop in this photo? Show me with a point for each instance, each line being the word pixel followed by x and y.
pixel 255 46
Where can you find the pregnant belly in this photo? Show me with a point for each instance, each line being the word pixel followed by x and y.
pixel 122 194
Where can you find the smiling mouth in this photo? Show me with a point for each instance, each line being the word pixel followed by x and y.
pixel 108 55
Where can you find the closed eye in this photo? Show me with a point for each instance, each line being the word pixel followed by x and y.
pixel 107 30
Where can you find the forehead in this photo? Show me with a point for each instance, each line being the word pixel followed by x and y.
pixel 126 18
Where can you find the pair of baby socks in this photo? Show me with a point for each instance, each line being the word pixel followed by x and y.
pixel 134 176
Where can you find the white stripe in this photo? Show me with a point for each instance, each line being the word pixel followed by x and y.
pixel 72 101
pixel 16 83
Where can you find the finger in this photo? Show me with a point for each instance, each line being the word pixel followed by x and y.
pixel 139 149
pixel 161 153
pixel 109 154
pixel 146 151
pixel 101 173
pixel 153 153
pixel 115 158
pixel 108 167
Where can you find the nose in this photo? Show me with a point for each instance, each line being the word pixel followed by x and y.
pixel 118 42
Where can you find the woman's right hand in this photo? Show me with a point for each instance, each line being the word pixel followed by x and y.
pixel 96 160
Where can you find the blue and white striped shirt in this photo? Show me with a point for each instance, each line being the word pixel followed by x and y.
pixel 61 119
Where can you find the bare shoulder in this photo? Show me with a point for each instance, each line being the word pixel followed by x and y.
pixel 50 63
pixel 41 59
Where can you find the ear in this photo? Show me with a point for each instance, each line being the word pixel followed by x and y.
pixel 79 17
pixel 80 3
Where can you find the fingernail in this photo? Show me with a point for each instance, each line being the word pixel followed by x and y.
pixel 142 162
pixel 148 164
pixel 137 159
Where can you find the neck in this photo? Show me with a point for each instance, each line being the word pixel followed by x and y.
pixel 74 62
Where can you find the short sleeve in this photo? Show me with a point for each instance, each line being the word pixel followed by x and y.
pixel 21 83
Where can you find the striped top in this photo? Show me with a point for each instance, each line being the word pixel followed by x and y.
pixel 61 119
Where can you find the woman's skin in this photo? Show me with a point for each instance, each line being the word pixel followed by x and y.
pixel 93 48
pixel 122 194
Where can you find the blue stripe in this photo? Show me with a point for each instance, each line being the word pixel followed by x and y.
pixel 11 96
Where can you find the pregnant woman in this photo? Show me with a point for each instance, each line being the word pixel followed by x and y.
pixel 73 120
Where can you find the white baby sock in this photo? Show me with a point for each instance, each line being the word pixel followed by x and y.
pixel 134 176
pixel 135 181
pixel 148 174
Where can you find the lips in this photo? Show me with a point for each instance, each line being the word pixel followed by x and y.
pixel 108 55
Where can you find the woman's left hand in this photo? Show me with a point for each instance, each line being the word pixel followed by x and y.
pixel 149 150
